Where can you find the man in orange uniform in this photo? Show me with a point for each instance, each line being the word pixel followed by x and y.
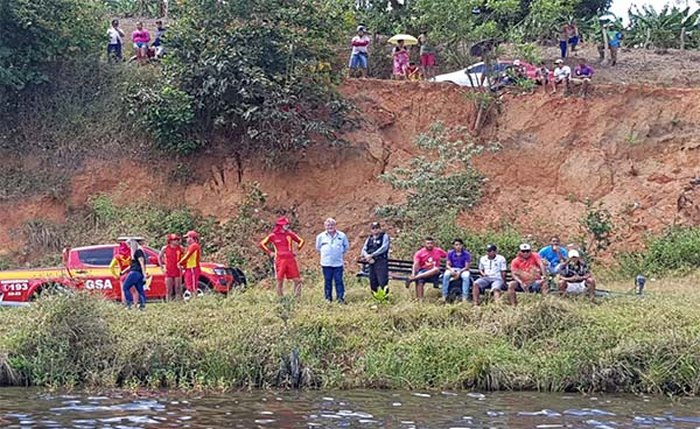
pixel 121 263
pixel 190 262
pixel 284 253
pixel 170 256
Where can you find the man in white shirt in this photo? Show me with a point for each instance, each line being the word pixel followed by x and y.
pixel 359 57
pixel 492 268
pixel 562 74
pixel 116 40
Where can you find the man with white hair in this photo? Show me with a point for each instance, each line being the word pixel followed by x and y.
pixel 332 245
pixel 575 276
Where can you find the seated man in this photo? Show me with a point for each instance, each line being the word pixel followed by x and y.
pixel 555 255
pixel 582 76
pixel 575 277
pixel 457 267
pixel 542 77
pixel 528 272
pixel 426 266
pixel 492 268
pixel 562 75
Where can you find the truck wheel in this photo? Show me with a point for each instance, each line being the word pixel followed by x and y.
pixel 204 287
pixel 49 289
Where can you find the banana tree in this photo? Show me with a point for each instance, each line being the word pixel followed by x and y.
pixel 671 27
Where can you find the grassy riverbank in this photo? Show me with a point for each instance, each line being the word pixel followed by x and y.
pixel 248 340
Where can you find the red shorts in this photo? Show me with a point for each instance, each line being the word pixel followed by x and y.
pixel 286 268
pixel 427 60
pixel 171 272
pixel 192 278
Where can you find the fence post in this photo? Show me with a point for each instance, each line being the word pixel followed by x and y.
pixel 682 38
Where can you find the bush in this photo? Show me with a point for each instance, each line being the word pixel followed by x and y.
pixel 677 250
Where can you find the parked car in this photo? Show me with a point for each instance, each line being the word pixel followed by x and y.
pixel 88 268
pixel 476 74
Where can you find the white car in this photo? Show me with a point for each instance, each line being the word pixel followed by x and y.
pixel 473 76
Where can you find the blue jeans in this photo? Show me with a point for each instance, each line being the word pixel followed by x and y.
pixel 114 52
pixel 330 275
pixel 134 279
pixel 466 281
pixel 563 44
pixel 358 60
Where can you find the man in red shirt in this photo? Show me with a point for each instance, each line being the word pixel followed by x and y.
pixel 170 256
pixel 426 266
pixel 282 239
pixel 529 274
pixel 190 262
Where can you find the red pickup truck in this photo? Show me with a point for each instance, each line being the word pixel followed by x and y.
pixel 88 268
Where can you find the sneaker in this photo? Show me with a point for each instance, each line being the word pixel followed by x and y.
pixel 341 301
pixel 187 295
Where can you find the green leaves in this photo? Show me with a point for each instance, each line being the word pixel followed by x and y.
pixel 662 29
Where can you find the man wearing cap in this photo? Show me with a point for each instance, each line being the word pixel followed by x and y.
pixel 375 252
pixel 492 268
pixel 554 254
pixel 359 56
pixel 119 267
pixel 284 253
pixel 426 266
pixel 332 245
pixel 528 272
pixel 575 276
pixel 562 74
pixel 190 262
pixel 169 258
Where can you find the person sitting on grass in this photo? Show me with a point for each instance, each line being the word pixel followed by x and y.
pixel 492 268
pixel 529 274
pixel 426 266
pixel 575 276
pixel 562 75
pixel 457 267
pixel 583 74
pixel 413 72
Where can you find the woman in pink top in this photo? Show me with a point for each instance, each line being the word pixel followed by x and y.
pixel 401 60
pixel 141 37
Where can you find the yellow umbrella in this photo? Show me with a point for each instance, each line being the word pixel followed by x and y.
pixel 408 40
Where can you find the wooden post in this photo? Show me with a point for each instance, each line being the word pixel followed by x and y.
pixel 606 45
pixel 682 38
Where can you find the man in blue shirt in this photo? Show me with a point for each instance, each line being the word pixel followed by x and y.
pixel 555 255
pixel 332 245
pixel 614 43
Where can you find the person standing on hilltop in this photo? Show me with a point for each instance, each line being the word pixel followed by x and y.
pixel 284 253
pixel 332 245
pixel 169 257
pixel 116 41
pixel 401 60
pixel 359 58
pixel 564 39
pixel 140 37
pixel 375 253
pixel 614 43
pixel 190 262
pixel 427 56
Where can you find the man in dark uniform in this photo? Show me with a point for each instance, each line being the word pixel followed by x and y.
pixel 375 252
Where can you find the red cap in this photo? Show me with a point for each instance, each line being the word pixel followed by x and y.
pixel 124 249
pixel 192 234
pixel 282 221
pixel 173 237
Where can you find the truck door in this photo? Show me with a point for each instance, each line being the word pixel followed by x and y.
pixel 156 286
pixel 90 266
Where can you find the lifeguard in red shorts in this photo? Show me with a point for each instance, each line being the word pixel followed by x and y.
pixel 170 256
pixel 283 249
pixel 190 262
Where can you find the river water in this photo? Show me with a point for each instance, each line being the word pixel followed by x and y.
pixel 28 408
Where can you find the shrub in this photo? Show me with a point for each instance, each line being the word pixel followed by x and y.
pixel 678 249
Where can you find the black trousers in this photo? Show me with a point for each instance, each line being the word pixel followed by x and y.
pixel 379 274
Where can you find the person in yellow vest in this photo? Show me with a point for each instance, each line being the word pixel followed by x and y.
pixel 190 263
pixel 120 264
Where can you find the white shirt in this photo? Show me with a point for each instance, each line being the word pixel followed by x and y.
pixel 114 37
pixel 563 72
pixel 493 267
pixel 363 49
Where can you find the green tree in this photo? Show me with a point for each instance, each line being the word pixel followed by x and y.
pixel 36 36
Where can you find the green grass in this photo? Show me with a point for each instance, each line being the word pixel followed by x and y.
pixel 252 340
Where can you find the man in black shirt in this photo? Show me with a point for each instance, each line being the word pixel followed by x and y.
pixel 375 252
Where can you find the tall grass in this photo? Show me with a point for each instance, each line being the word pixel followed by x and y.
pixel 253 340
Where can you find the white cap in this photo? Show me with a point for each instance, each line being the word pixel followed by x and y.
pixel 516 62
pixel 559 61
pixel 525 246
pixel 574 254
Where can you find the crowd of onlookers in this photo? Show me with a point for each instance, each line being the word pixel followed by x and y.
pixel 529 271
pixel 145 49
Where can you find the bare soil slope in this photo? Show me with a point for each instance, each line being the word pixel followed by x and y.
pixel 635 150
